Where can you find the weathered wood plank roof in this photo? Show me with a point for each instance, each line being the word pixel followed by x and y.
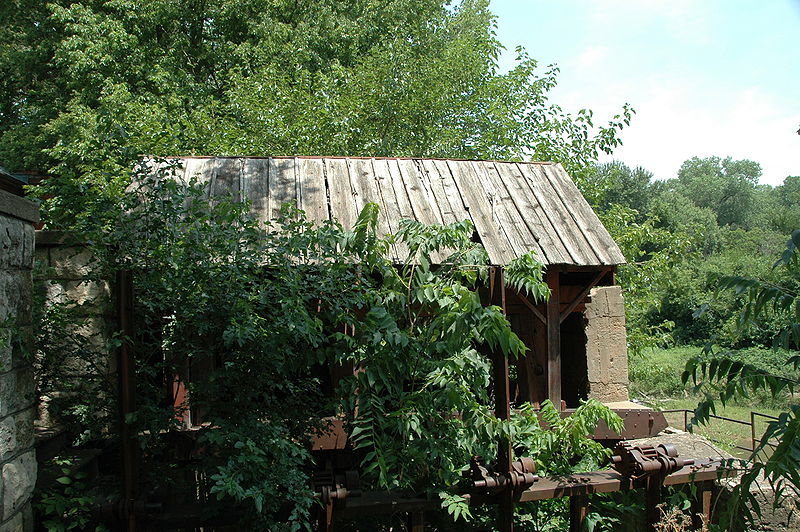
pixel 515 207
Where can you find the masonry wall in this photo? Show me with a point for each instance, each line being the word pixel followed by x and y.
pixel 606 345
pixel 17 388
pixel 66 275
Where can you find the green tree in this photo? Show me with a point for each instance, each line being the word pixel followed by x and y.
pixel 625 186
pixel 723 185
pixel 786 215
pixel 679 213
pixel 89 85
pixel 723 379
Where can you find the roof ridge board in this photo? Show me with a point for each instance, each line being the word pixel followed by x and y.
pixel 504 161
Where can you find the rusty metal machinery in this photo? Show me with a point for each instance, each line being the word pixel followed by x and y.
pixel 644 467
pixel 338 486
pixel 488 479
pixel 332 488
pixel 638 461
pixel 652 464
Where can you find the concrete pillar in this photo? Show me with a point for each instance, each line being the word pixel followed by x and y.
pixel 606 345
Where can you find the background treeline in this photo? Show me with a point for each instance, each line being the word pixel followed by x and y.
pixel 681 235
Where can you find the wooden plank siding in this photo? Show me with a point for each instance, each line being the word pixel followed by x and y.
pixel 516 207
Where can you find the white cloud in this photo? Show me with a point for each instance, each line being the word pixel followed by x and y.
pixel 593 56
pixel 688 20
pixel 678 121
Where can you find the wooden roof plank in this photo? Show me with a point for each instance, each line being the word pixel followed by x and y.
pixel 445 195
pixel 572 208
pixel 519 237
pixel 586 219
pixel 418 195
pixel 343 208
pixel 390 205
pixel 552 213
pixel 531 213
pixel 399 187
pixel 495 242
pixel 536 206
pixel 226 178
pixel 282 184
pixel 196 169
pixel 441 212
pixel 174 168
pixel 452 192
pixel 311 185
pixel 567 226
pixel 421 199
pixel 370 193
pixel 256 177
pixel 435 180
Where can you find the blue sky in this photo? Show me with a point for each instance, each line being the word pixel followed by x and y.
pixel 706 77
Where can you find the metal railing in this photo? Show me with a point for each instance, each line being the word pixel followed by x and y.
pixel 752 424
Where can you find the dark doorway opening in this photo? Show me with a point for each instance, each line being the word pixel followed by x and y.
pixel 574 371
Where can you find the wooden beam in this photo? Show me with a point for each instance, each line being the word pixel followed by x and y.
pixel 502 408
pixel 583 294
pixel 553 339
pixel 578 508
pixel 531 307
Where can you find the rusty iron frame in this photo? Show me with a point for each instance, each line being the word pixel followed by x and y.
pixel 751 424
pixel 578 487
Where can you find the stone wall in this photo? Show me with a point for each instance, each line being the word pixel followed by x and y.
pixel 17 388
pixel 66 275
pixel 606 345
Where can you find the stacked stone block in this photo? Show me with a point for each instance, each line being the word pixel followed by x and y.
pixel 17 385
pixel 606 345
pixel 66 275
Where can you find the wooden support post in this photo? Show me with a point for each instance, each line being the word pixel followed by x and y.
pixel 701 506
pixel 126 365
pixel 326 518
pixel 578 508
pixel 652 499
pixel 502 408
pixel 553 338
pixel 416 520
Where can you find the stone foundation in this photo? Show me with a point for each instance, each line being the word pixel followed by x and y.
pixel 606 345
pixel 17 388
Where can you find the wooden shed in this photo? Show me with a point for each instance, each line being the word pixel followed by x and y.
pixel 577 340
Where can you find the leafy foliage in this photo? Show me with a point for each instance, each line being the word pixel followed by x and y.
pixel 678 246
pixel 423 372
pixel 70 503
pixel 525 275
pixel 560 445
pixel 89 85
pixel 651 252
pixel 728 379
pixel 268 305
pixel 723 185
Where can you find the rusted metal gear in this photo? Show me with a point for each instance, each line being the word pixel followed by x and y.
pixel 521 476
pixel 336 486
pixel 637 461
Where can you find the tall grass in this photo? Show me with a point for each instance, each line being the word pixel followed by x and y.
pixel 657 375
